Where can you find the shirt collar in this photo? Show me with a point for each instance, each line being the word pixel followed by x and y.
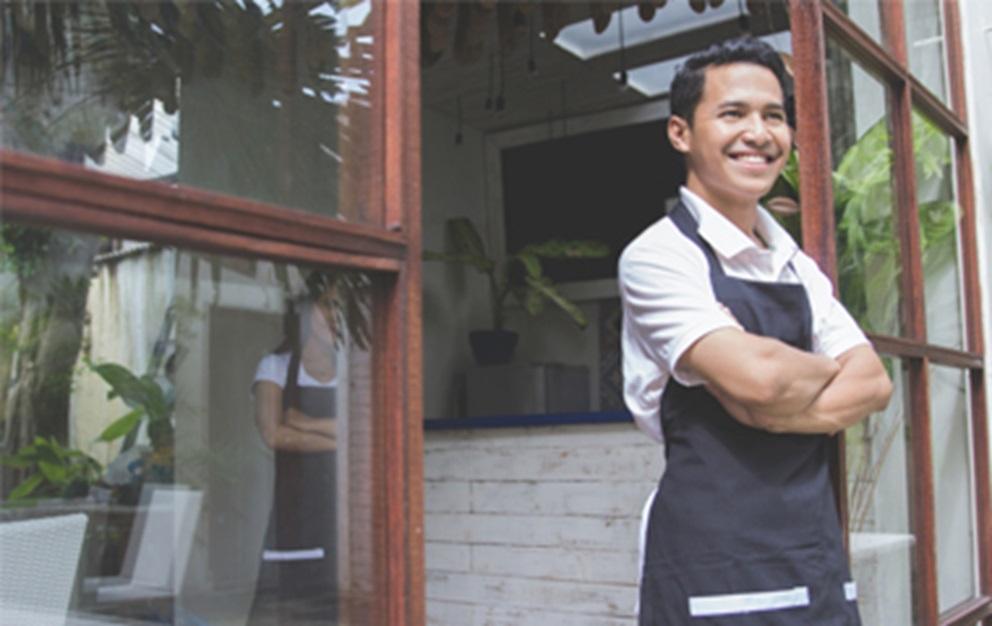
pixel 728 241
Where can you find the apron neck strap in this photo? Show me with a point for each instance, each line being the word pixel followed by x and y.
pixel 690 228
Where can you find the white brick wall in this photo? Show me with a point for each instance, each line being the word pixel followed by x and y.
pixel 535 526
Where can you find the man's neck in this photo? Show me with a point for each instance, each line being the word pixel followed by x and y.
pixel 742 214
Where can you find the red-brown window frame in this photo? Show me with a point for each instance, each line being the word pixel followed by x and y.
pixel 43 191
pixel 812 21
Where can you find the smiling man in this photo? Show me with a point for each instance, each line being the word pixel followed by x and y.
pixel 738 357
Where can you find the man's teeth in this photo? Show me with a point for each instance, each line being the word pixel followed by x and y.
pixel 753 158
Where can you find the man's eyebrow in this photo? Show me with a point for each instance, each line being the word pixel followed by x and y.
pixel 735 104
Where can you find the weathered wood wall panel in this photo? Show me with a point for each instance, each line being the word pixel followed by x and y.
pixel 535 526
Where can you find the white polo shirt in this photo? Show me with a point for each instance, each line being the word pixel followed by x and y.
pixel 669 304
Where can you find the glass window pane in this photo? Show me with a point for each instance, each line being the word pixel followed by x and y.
pixel 953 486
pixel 864 13
pixel 152 390
pixel 868 260
pixel 878 489
pixel 925 44
pixel 939 218
pixel 270 101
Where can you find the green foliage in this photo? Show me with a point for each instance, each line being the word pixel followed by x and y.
pixel 23 248
pixel 533 289
pixel 868 261
pixel 146 400
pixel 54 471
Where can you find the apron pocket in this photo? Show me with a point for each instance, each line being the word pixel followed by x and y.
pixel 739 603
pixel 776 590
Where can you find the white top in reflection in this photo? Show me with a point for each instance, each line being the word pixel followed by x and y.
pixel 676 17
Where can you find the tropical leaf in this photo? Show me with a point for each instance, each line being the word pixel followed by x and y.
pixel 137 393
pixel 531 263
pixel 561 249
pixel 122 426
pixel 548 291
pixel 53 472
pixel 16 461
pixel 466 238
pixel 482 264
pixel 532 300
pixel 122 382
pixel 26 488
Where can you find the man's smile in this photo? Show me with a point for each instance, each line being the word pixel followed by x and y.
pixel 752 156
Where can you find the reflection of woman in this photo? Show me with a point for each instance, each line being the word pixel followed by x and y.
pixel 295 392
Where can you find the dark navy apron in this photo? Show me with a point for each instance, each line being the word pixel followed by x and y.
pixel 743 530
pixel 304 510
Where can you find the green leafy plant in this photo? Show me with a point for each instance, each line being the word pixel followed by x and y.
pixel 868 261
pixel 533 289
pixel 144 397
pixel 53 471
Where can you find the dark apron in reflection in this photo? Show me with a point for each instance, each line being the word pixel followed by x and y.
pixel 300 557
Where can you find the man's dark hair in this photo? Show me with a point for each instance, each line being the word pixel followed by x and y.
pixel 687 86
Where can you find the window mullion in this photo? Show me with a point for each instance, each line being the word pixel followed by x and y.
pixel 914 317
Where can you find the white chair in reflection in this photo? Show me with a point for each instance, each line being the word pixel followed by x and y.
pixel 158 548
pixel 39 559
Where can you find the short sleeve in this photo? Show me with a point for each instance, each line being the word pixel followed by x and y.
pixel 834 330
pixel 669 303
pixel 272 368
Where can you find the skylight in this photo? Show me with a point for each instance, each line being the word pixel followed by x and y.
pixel 581 40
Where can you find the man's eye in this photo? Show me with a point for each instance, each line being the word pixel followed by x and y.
pixel 777 116
pixel 731 114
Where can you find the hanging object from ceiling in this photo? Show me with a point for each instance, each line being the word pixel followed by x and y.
pixel 470 30
pixel 473 23
pixel 602 13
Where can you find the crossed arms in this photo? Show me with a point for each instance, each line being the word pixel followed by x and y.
pixel 291 429
pixel 767 384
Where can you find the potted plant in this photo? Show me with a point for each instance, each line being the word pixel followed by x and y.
pixel 519 275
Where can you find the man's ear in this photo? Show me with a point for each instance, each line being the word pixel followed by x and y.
pixel 679 133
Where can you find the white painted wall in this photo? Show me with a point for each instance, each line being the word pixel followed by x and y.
pixel 976 30
pixel 535 526
pixel 455 298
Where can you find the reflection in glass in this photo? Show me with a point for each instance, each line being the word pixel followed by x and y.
pixel 882 538
pixel 266 100
pixel 211 418
pixel 868 261
pixel 925 44
pixel 939 217
pixel 864 13
pixel 953 490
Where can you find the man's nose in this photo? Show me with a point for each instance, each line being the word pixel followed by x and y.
pixel 757 129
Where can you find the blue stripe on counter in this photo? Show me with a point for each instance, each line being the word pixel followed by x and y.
pixel 527 421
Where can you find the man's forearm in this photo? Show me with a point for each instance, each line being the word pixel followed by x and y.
pixel 761 374
pixel 861 387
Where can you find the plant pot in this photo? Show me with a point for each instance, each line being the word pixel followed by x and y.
pixel 493 347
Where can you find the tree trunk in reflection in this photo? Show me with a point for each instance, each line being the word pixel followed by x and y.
pixel 53 284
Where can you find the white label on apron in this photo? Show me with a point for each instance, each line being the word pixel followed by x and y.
pixel 311 554
pixel 729 604
pixel 851 591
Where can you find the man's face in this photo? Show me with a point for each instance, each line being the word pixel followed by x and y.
pixel 739 139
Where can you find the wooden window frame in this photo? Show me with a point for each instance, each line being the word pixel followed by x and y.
pixel 44 191
pixel 812 22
